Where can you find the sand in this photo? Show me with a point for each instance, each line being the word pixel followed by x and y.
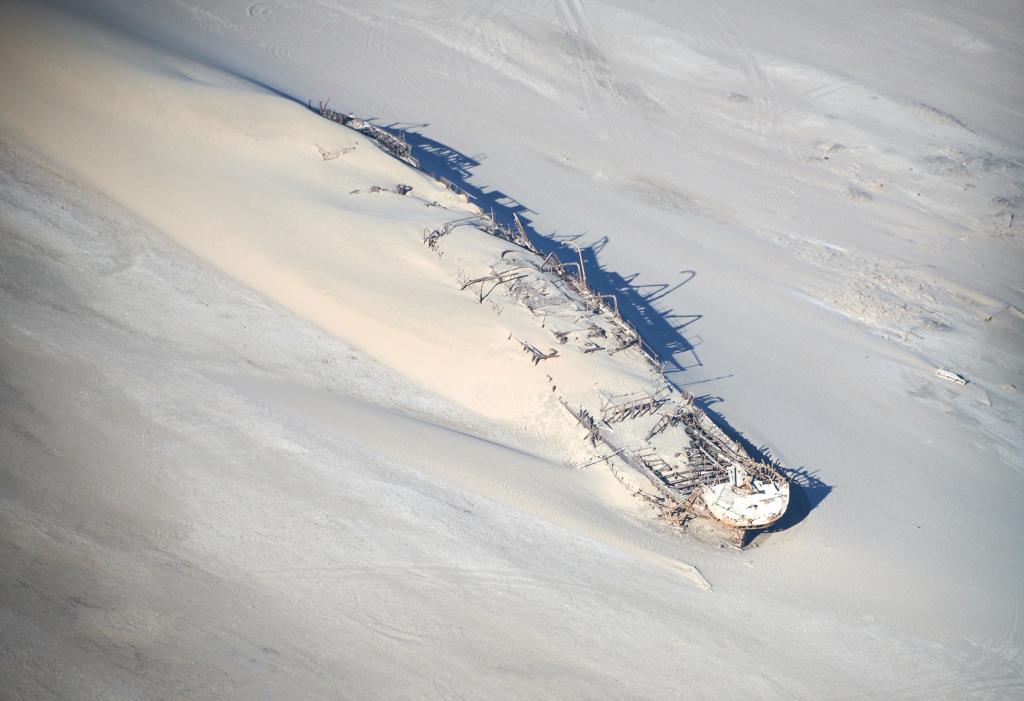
pixel 257 442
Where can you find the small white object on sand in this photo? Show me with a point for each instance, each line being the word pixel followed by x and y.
pixel 951 376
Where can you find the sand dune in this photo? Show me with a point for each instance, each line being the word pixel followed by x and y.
pixel 258 443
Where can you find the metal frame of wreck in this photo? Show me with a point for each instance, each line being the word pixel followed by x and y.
pixel 708 458
pixel 399 148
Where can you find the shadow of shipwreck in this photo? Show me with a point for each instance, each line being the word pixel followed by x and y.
pixel 661 329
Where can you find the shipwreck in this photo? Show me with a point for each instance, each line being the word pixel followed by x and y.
pixel 690 467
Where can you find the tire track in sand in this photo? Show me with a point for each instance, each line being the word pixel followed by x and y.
pixel 594 69
pixel 264 13
pixel 768 116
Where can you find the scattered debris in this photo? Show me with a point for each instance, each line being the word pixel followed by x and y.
pixel 463 195
pixel 336 153
pixel 537 354
pixel 394 145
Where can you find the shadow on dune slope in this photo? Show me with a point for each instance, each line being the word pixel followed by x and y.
pixel 662 329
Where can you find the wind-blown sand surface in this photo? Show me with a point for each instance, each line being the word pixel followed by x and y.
pixel 257 443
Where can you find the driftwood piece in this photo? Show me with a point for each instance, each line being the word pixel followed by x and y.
pixel 537 354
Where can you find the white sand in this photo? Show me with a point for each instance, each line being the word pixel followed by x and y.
pixel 293 458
